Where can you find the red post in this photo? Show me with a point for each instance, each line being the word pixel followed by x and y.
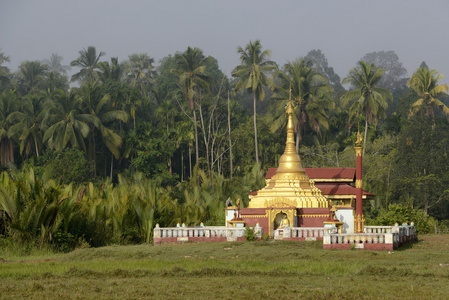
pixel 358 222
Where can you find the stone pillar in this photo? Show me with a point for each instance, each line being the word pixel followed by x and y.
pixel 358 185
pixel 157 232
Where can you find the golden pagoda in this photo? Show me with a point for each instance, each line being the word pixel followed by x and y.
pixel 290 185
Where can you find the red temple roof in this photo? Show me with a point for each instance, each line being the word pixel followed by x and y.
pixel 338 189
pixel 331 173
pixel 270 173
pixel 323 174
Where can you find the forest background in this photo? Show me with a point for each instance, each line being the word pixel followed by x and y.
pixel 103 156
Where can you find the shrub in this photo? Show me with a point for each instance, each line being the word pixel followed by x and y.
pixel 398 213
pixel 250 235
pixel 64 241
pixel 266 237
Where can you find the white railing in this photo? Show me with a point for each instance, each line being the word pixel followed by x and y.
pixel 309 233
pixel 203 232
pixel 395 235
pixel 377 229
pixel 404 232
pixel 357 238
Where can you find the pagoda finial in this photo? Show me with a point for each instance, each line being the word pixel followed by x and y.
pixel 290 161
pixel 290 109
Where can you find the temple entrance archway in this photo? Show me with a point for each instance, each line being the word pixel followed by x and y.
pixel 279 219
pixel 275 216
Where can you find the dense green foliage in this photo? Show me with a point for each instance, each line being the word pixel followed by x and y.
pixel 125 145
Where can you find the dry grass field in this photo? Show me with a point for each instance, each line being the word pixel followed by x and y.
pixel 252 270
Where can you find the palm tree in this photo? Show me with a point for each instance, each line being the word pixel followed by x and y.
pixel 425 83
pixel 113 71
pixel 253 76
pixel 366 96
pixel 28 123
pixel 54 64
pixel 69 127
pixel 102 115
pixel 140 71
pixel 191 69
pixel 31 74
pixel 166 113
pixel 310 91
pixel 89 62
pixel 4 71
pixel 8 105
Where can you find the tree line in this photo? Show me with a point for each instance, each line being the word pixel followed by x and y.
pixel 193 136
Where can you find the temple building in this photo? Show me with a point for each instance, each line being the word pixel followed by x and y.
pixel 300 204
pixel 301 197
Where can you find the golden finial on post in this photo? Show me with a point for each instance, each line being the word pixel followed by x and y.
pixel 359 140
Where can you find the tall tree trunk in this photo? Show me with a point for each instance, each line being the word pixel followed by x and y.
pixel 182 165
pixel 364 139
pixel 206 138
pixel 35 144
pixel 105 167
pixel 230 142
pixel 4 152
pixel 298 138
pixel 94 156
pixel 190 161
pixel 169 157
pixel 169 166
pixel 112 164
pixel 196 136
pixel 256 148
pixel 7 151
pixel 11 151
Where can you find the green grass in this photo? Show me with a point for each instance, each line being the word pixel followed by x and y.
pixel 258 270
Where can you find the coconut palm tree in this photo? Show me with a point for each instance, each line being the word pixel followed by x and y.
pixel 140 71
pixel 425 83
pixel 89 62
pixel 113 71
pixel 166 113
pixel 310 91
pixel 54 64
pixel 8 105
pixel 252 74
pixel 4 71
pixel 191 70
pixel 27 123
pixel 96 103
pixel 366 97
pixel 31 74
pixel 68 126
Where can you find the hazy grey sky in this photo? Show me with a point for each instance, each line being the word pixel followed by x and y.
pixel 344 30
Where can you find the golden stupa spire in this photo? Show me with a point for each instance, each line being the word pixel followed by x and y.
pixel 290 183
pixel 290 161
